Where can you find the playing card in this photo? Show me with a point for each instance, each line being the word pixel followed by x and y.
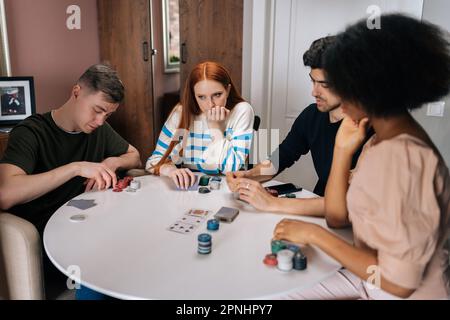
pixel 192 219
pixel 82 204
pixel 198 213
pixel 181 227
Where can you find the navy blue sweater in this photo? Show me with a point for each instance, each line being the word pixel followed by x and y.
pixel 312 131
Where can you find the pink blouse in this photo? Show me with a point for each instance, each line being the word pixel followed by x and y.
pixel 399 205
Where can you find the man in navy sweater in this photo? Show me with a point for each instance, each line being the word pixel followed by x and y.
pixel 313 131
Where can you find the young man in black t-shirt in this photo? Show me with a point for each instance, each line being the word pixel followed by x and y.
pixel 56 156
pixel 53 157
pixel 313 131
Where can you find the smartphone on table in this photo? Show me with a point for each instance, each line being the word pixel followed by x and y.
pixel 285 188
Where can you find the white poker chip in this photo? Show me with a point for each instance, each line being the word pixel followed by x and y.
pixel 78 218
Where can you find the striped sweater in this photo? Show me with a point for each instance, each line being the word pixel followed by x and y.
pixel 201 153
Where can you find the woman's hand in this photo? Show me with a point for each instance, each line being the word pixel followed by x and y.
pixel 255 194
pixel 183 178
pixel 217 114
pixel 233 179
pixel 351 134
pixel 296 231
pixel 216 121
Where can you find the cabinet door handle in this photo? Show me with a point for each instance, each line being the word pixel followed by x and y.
pixel 145 50
pixel 183 53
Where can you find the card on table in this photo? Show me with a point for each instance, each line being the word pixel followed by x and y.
pixel 182 227
pixel 198 213
pixel 189 221
pixel 82 204
pixel 192 219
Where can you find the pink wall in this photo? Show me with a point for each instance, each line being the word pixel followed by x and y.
pixel 41 46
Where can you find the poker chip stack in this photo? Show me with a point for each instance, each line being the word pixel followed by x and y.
pixel 293 248
pixel 135 184
pixel 213 225
pixel 271 260
pixel 300 262
pixel 285 260
pixel 286 256
pixel 277 246
pixel 214 183
pixel 204 190
pixel 204 243
pixel 122 184
pixel 204 181
pixel 291 196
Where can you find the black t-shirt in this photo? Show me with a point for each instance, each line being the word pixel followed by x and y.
pixel 312 131
pixel 38 145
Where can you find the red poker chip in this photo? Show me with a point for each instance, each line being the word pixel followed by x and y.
pixel 271 260
pixel 117 190
pixel 121 184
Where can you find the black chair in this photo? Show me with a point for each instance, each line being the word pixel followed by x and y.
pixel 256 124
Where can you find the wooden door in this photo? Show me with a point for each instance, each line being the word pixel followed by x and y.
pixel 212 30
pixel 3 143
pixel 125 38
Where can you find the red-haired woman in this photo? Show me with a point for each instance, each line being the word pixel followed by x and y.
pixel 210 130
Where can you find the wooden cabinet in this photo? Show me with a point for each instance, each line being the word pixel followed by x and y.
pixel 125 38
pixel 209 30
pixel 212 30
pixel 3 143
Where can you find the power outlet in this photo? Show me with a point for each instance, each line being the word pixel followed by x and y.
pixel 436 109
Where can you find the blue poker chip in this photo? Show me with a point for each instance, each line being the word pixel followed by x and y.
pixel 204 237
pixel 213 225
pixel 204 244
pixel 300 261
pixel 218 179
pixel 293 248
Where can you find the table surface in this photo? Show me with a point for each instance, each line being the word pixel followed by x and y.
pixel 123 248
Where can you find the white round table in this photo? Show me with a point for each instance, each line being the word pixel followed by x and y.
pixel 124 249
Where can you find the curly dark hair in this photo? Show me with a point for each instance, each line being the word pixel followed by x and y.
pixel 390 70
pixel 313 58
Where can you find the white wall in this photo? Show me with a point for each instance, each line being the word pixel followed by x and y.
pixel 281 35
pixel 437 12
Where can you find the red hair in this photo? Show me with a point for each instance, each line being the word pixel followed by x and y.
pixel 203 71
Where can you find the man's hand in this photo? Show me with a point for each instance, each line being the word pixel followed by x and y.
pixel 99 175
